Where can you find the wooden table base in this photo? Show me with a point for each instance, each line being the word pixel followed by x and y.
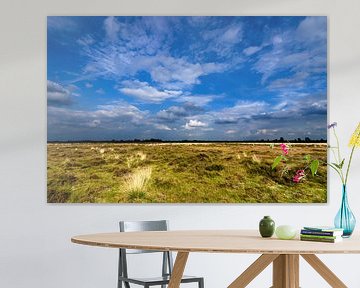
pixel 178 270
pixel 286 271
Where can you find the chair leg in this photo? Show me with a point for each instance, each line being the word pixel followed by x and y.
pixel 201 283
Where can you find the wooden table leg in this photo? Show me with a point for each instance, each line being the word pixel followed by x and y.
pixel 253 270
pixel 178 270
pixel 286 271
pixel 293 262
pixel 324 271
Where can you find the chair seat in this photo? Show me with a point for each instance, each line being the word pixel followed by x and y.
pixel 158 280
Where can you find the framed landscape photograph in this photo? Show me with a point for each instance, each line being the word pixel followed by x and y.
pixel 170 109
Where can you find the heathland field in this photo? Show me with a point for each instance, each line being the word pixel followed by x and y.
pixel 182 173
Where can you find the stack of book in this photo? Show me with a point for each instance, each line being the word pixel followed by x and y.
pixel 321 234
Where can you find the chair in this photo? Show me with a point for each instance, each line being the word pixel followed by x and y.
pixel 167 262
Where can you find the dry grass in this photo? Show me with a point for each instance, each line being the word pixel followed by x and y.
pixel 174 173
pixel 135 159
pixel 136 182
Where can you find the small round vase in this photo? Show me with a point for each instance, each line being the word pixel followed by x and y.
pixel 285 232
pixel 266 227
pixel 345 219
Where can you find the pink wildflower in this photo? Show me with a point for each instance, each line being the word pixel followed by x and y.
pixel 300 174
pixel 284 148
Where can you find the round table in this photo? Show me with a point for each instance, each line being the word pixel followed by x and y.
pixel 284 254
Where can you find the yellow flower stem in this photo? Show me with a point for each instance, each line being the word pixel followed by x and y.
pixel 348 167
pixel 351 155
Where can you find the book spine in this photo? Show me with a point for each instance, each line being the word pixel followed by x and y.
pixel 320 233
pixel 318 239
pixel 319 236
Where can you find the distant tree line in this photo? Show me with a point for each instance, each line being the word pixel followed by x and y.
pixel 155 140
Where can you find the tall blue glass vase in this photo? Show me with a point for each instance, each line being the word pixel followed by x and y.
pixel 345 219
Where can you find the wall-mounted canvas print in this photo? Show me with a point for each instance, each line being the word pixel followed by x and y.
pixel 187 109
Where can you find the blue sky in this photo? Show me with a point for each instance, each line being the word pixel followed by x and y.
pixel 193 78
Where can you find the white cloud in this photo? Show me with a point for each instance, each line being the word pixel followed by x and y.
pixel 115 63
pixel 162 127
pixel 232 34
pixel 223 40
pixel 292 83
pixel 266 132
pixel 58 94
pixel 193 124
pixel 60 23
pixel 242 109
pixel 283 59
pixel 109 115
pixel 148 35
pixel 112 28
pixel 199 100
pixel 251 50
pixel 147 93
pixel 100 91
pixel 175 113
pixel 143 46
pixel 285 55
pixel 179 72
pixel 172 113
pixel 312 29
pixel 277 40
pixel 261 120
pixel 109 119
pixel 120 109
pixel 89 85
pixel 170 69
pixel 86 40
pixel 212 67
pixel 281 105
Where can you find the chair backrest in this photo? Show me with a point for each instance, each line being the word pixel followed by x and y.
pixel 134 226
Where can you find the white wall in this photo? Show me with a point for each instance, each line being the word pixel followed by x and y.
pixel 35 248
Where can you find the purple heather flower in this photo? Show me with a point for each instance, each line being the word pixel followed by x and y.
pixel 332 125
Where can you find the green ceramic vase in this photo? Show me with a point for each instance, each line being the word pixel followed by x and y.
pixel 266 227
